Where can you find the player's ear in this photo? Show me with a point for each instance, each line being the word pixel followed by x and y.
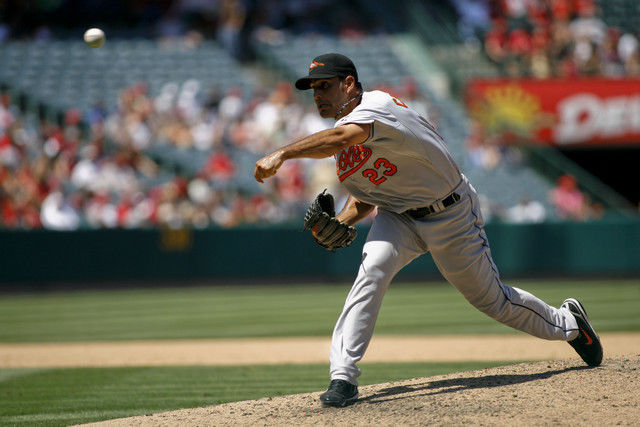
pixel 348 82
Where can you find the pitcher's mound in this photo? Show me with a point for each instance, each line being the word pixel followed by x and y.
pixel 561 392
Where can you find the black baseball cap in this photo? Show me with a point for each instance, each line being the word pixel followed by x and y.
pixel 327 66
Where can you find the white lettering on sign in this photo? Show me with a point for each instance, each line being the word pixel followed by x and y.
pixel 585 116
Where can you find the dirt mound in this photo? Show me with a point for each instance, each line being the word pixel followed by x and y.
pixel 561 392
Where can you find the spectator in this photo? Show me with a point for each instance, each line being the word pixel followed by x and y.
pixel 495 41
pixel 526 211
pixel 232 20
pixel 608 53
pixel 58 213
pixel 484 151
pixel 7 112
pixel 568 200
pixel 587 25
pixel 474 17
pixel 629 54
pixel 488 209
pixel 219 167
pixel 231 106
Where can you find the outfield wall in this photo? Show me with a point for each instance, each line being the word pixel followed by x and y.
pixel 37 257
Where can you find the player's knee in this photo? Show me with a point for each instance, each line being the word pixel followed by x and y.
pixel 492 309
pixel 373 277
pixel 493 304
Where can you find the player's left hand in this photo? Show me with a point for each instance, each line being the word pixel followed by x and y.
pixel 267 166
pixel 328 231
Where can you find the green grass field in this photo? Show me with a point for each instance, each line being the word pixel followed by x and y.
pixel 280 311
pixel 68 396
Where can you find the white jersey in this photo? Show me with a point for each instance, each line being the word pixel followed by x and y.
pixel 404 164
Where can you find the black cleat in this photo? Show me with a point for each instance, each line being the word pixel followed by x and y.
pixel 587 343
pixel 340 393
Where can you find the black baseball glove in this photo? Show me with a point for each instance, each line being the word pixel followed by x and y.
pixel 329 232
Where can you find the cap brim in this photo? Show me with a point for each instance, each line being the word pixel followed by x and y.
pixel 304 83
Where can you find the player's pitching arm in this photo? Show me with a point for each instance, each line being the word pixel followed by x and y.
pixel 317 146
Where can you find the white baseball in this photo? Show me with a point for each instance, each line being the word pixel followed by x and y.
pixel 94 37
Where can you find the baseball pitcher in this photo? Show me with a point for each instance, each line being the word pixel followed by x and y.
pixel 388 156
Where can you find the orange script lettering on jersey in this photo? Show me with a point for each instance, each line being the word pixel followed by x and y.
pixel 351 159
pixel 399 103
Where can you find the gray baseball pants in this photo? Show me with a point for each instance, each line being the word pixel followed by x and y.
pixel 459 247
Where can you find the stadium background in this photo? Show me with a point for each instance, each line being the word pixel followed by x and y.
pixel 131 165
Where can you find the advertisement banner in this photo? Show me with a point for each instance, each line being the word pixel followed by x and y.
pixel 585 111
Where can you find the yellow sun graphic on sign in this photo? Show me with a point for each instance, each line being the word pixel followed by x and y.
pixel 509 109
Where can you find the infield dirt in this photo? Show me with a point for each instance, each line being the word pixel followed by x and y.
pixel 260 351
pixel 561 392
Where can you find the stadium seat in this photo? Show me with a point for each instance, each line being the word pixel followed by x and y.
pixel 37 67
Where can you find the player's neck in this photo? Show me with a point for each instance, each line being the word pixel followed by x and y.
pixel 348 106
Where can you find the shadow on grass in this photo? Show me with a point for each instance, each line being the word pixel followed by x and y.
pixel 432 388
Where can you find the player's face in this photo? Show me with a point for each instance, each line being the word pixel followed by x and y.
pixel 329 95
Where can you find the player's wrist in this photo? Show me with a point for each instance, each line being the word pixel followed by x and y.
pixel 282 154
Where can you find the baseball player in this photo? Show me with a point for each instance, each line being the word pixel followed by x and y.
pixel 389 157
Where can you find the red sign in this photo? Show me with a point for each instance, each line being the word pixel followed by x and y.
pixel 563 112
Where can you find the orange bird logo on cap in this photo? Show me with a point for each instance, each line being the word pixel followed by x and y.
pixel 315 64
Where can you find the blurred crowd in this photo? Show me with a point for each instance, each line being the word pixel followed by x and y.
pixel 543 39
pixel 183 158
pixel 566 199
pixel 558 38
pixel 122 168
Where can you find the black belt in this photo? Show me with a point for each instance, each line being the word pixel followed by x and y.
pixel 431 209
